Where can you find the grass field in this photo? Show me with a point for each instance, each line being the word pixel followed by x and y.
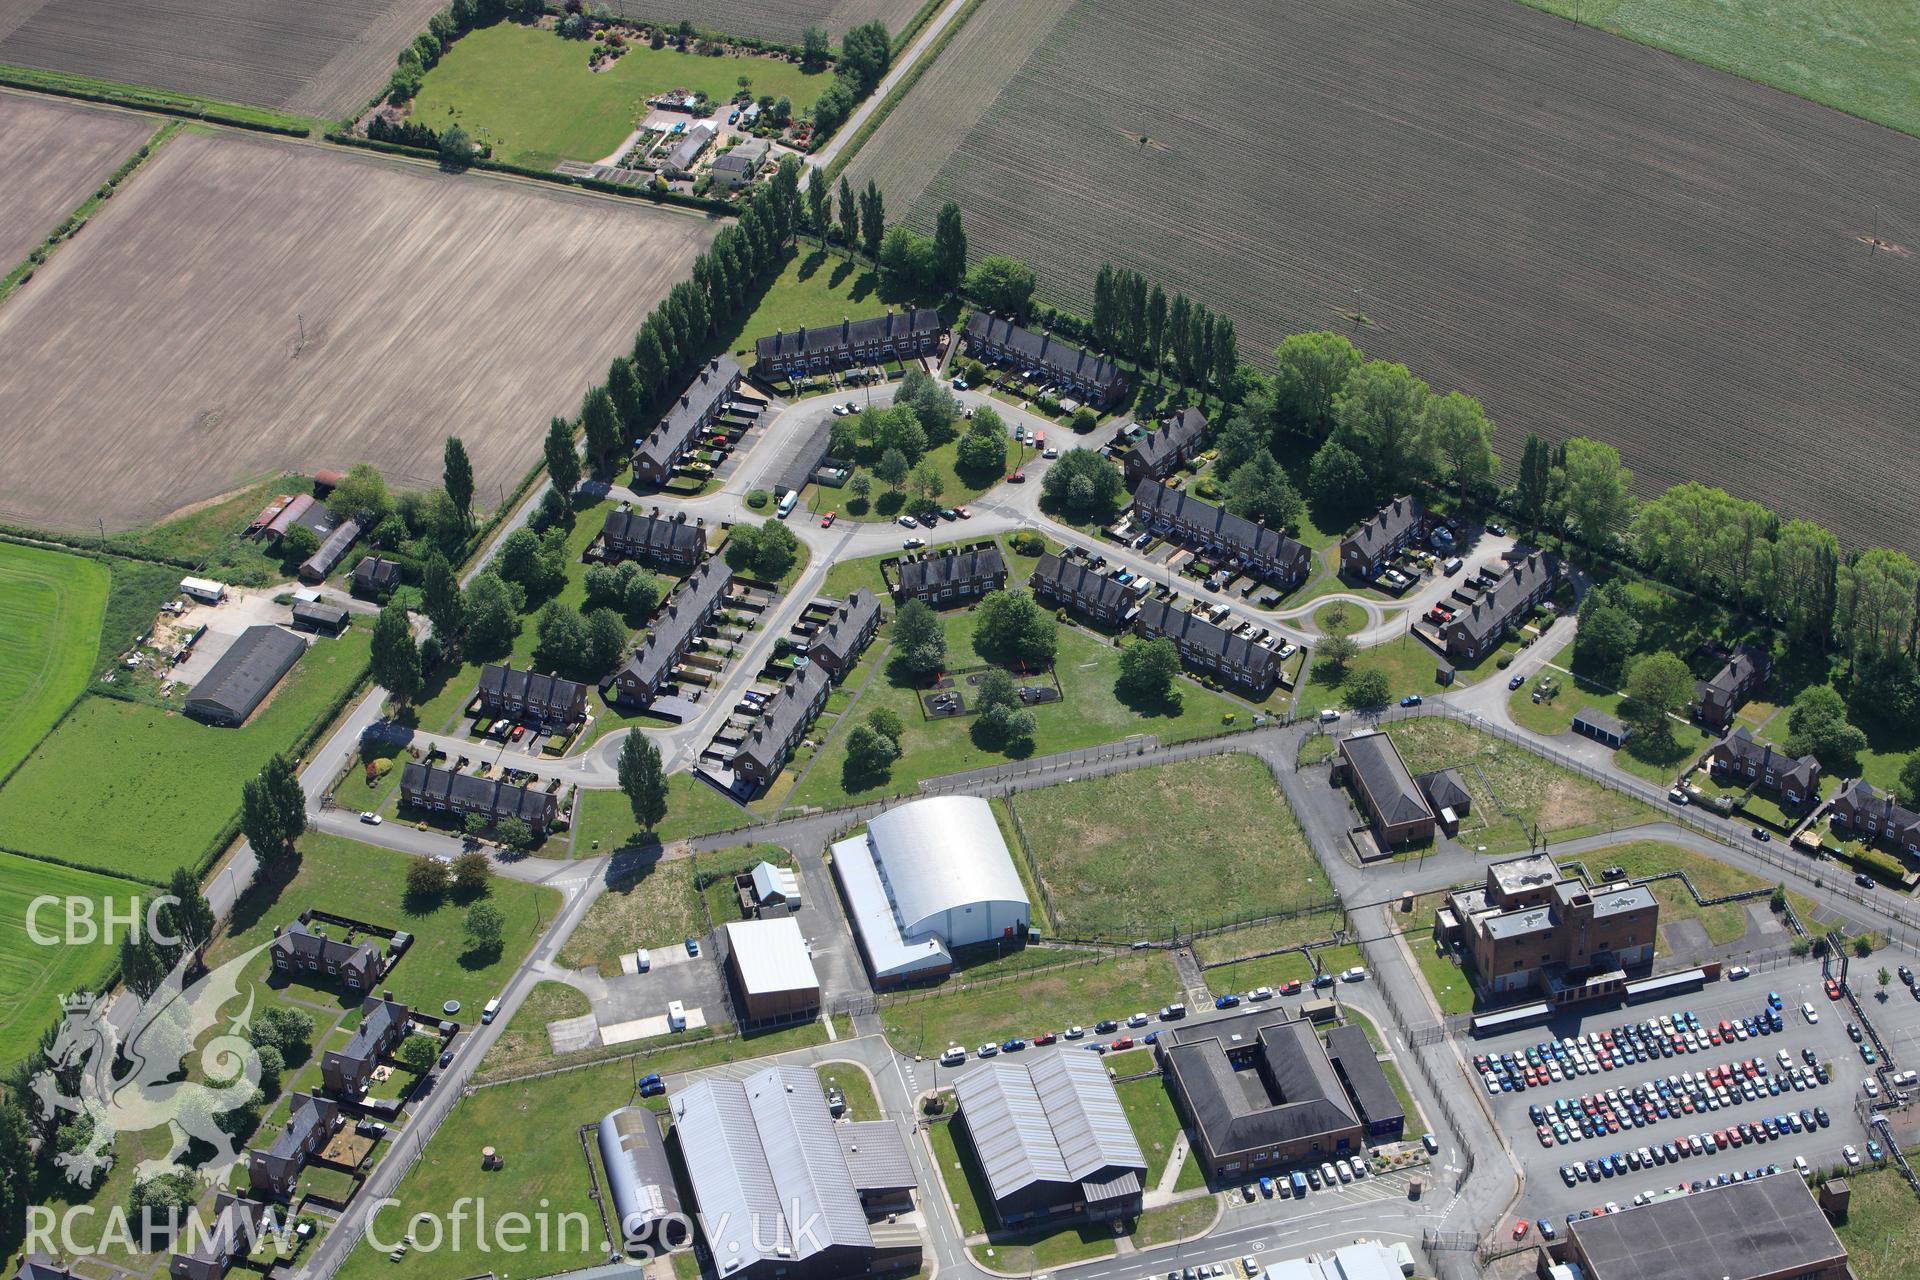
pixel 315 60
pixel 1196 841
pixel 1858 56
pixel 1048 1000
pixel 1090 713
pixel 1724 922
pixel 51 607
pixel 524 1044
pixel 56 153
pixel 332 317
pixel 654 907
pixel 1645 755
pixel 783 20
pixel 1541 796
pixel 365 883
pixel 1266 937
pixel 1352 233
pixel 530 93
pixel 1156 1127
pixel 1407 663
pixel 693 809
pixel 814 288
pixel 173 783
pixel 33 978
pixel 1881 1230
pixel 853 1082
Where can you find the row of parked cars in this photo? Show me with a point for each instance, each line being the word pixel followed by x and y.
pixel 1679 1189
pixel 1551 1061
pixel 1595 1116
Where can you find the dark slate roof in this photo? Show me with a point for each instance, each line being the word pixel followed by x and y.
pixel 1741 745
pixel 1367 1084
pixel 783 715
pixel 664 538
pixel 1602 720
pixel 1234 531
pixel 806 456
pixel 698 401
pixel 1042 350
pixel 1862 798
pixel 1174 433
pixel 376 571
pixel 1388 784
pixel 297 939
pixel 316 614
pixel 1080 578
pixel 1764 1226
pixel 236 1221
pixel 895 325
pixel 1444 788
pixel 503 681
pixel 691 144
pixel 377 1018
pixel 41 1266
pixel 1384 527
pixel 685 612
pixel 1305 1098
pixel 930 573
pixel 841 633
pixel 468 791
pixel 246 672
pixel 1160 617
pixel 307 1112
pixel 1493 611
pixel 1748 665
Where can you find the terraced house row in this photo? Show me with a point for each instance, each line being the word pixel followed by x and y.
pixel 675 629
pixel 897 335
pixel 705 398
pixel 1265 553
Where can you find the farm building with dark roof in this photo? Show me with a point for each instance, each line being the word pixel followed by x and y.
pixel 249 669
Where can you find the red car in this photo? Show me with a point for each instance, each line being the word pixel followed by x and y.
pixel 519 731
pixel 1291 987
pixel 1045 1037
pixel 1520 1228
pixel 826 521
pixel 1833 989
pixel 1124 1042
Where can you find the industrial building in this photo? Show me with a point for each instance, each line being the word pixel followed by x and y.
pixel 771 970
pixel 781 1190
pixel 646 1206
pixel 1529 926
pixel 1396 809
pixel 245 674
pixel 1051 1137
pixel 1767 1228
pixel 1259 1091
pixel 929 877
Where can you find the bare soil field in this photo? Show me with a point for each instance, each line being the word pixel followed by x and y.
pixel 311 59
pixel 783 20
pixel 1592 236
pixel 158 360
pixel 54 154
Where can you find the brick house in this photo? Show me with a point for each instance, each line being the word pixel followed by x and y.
pixel 306 953
pixel 530 697
pixel 1380 537
pixel 1266 553
pixel 425 786
pixel 1395 806
pixel 275 1169
pixel 1874 816
pixel 782 724
pixel 1075 585
pixel 1482 626
pixel 676 628
pixel 383 1025
pixel 705 398
pixel 841 639
pixel 1717 700
pixel 1094 379
pixel 235 1229
pixel 1156 453
pixel 898 335
pixel 1233 659
pixel 675 542
pixel 949 578
pixel 1741 756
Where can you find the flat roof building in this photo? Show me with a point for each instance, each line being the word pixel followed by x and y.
pixel 1051 1137
pixel 1394 804
pixel 245 674
pixel 1530 927
pixel 646 1206
pixel 774 1189
pixel 930 876
pixel 1767 1228
pixel 772 969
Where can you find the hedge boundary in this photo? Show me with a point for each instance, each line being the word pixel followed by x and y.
pixel 136 98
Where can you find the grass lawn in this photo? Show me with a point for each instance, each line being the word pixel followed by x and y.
pixel 1090 713
pixel 1157 1128
pixel 530 93
pixel 365 883
pixel 524 1043
pixel 956 489
pixel 34 978
pixel 1452 989
pixel 1542 795
pixel 853 1082
pixel 603 819
pixel 656 906
pixel 1050 1000
pixel 815 288
pixel 1657 759
pixel 1193 841
pixel 51 608
pixel 723 900
pixel 1266 971
pixel 1881 1231
pixel 1860 56
pixel 1175 1222
pixel 173 783
pixel 1235 943
pixel 1408 663
pixel 1725 922
pixel 684 1051
pixel 209 534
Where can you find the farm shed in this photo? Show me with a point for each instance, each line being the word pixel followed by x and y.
pixel 332 551
pixel 1601 727
pixel 244 675
pixel 771 969
pixel 313 616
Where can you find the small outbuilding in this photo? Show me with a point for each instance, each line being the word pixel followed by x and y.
pixel 1601 727
pixel 205 590
pixel 327 619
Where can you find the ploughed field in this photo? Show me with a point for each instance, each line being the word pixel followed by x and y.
pixel 781 20
pixel 1592 236
pixel 315 59
pixel 53 155
pixel 248 306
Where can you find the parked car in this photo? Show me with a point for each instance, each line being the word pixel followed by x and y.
pixel 693 945
pixel 1018 477
pixel 912 544
pixel 960 384
pixel 1046 1037
pixel 1832 988
pixel 987 1050
pixel 1355 974
pixel 1516 682
pixel 446 1059
pixel 953 1057
pixel 908 522
pixel 826 521
pixel 369 817
pixel 1227 1001
pixel 1864 880
pixel 1677 796
pixel 652 1086
pixel 1760 834
pixel 1411 700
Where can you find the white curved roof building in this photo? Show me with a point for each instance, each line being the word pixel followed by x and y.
pixel 927 877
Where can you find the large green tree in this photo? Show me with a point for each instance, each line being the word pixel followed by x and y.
pixel 1461 437
pixel 949 248
pixel 273 814
pixel 1011 627
pixel 919 641
pixel 1084 485
pixel 395 658
pixel 1001 284
pixel 1817 725
pixel 1594 489
pixel 1309 371
pixel 1874 607
pixel 601 423
pixel 1148 669
pixel 643 779
pixel 493 608
pixel 1260 491
pixel 441 600
pixel 456 476
pixel 1381 415
pixel 1658 684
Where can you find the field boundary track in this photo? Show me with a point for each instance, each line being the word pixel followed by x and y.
pixel 1592 236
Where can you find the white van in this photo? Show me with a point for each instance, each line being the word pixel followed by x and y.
pixel 1808 1012
pixel 493 1007
pixel 786 503
pixel 643 960
pixel 676 1016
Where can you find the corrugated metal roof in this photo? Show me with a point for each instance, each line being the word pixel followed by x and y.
pixel 890 954
pixel 809 1171
pixel 771 955
pixel 940 854
pixel 876 1156
pixel 1056 1118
